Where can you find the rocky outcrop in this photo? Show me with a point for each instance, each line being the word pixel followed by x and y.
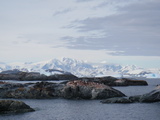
pixel 89 90
pixel 153 96
pixel 117 100
pixel 30 76
pixel 71 90
pixel 12 106
pixel 39 90
pixel 111 81
pixel 22 76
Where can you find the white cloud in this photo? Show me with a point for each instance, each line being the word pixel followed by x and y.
pixel 85 29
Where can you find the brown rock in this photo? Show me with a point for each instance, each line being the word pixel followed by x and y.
pixel 89 90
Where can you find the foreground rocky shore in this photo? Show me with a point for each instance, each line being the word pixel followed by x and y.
pixel 153 96
pixel 76 89
pixel 13 106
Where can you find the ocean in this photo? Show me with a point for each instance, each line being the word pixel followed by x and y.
pixel 62 109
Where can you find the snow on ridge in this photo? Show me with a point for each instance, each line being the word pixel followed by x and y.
pixel 82 68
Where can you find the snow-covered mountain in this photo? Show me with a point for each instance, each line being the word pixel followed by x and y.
pixel 81 68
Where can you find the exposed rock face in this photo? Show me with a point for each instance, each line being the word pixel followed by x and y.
pixel 89 90
pixel 153 96
pixel 111 81
pixel 71 90
pixel 12 106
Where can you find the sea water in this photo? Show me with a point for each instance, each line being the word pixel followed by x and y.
pixel 61 109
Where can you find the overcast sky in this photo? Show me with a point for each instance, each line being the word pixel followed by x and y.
pixel 115 31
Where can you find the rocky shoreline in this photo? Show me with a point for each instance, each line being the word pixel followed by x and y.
pixel 33 76
pixel 14 106
pixel 153 96
pixel 112 81
pixel 74 88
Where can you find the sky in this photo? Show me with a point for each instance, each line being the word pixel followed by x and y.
pixel 125 32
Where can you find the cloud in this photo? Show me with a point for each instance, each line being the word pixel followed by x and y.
pixel 62 12
pixel 134 29
pixel 83 0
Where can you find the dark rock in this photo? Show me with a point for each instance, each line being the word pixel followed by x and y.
pixel 134 82
pixel 153 96
pixel 71 90
pixel 45 90
pixel 30 76
pixel 39 90
pixel 9 77
pixel 14 71
pixel 111 81
pixel 12 106
pixel 117 100
pixel 62 77
pixel 89 90
pixel 19 75
pixel 135 98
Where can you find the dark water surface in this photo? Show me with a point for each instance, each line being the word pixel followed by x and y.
pixel 60 109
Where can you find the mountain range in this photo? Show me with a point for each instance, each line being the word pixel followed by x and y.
pixel 82 68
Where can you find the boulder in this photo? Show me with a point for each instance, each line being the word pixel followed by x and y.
pixel 89 90
pixel 12 106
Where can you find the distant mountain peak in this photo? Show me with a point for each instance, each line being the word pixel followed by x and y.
pixel 81 68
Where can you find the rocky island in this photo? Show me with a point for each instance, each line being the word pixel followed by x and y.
pixel 112 81
pixel 33 76
pixel 153 96
pixel 13 106
pixel 71 90
pixel 74 88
